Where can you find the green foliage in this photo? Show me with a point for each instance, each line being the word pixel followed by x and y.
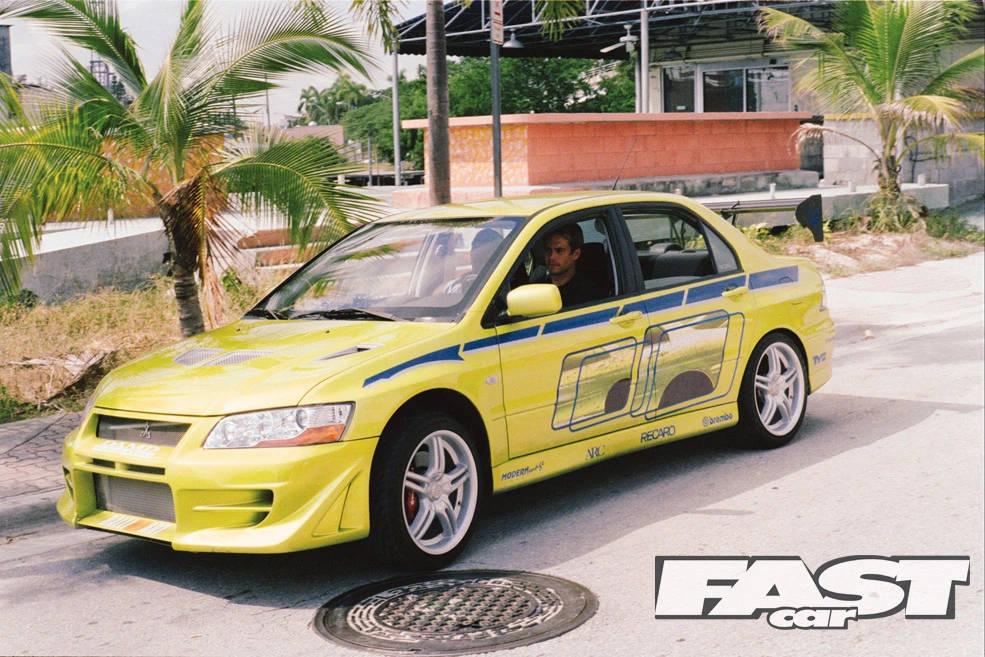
pixel 21 299
pixel 12 410
pixel 328 106
pixel 949 226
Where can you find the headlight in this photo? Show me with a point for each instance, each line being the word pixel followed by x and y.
pixel 279 427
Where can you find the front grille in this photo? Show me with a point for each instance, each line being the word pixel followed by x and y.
pixel 166 434
pixel 146 499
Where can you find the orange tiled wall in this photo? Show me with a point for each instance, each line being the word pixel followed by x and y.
pixel 597 151
pixel 542 149
pixel 470 152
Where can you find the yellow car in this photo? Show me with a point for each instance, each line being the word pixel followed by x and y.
pixel 432 358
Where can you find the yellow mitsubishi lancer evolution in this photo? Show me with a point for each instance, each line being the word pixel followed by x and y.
pixel 427 360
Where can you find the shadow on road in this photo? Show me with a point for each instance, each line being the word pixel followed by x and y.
pixel 534 528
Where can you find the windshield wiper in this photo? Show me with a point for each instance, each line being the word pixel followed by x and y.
pixel 347 313
pixel 265 313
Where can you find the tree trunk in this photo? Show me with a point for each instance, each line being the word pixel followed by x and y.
pixel 439 168
pixel 186 295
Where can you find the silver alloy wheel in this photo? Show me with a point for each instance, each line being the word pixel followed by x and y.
pixel 779 389
pixel 440 492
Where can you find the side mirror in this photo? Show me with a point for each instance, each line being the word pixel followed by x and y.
pixel 533 300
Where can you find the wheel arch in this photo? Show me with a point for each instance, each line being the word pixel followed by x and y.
pixel 798 343
pixel 457 405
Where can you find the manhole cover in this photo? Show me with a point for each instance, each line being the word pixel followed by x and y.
pixel 456 612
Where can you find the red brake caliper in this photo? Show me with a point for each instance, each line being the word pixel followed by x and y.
pixel 410 504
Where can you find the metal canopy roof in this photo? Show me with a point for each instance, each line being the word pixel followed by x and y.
pixel 674 26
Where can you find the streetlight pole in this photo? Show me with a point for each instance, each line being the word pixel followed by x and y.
pixel 396 119
pixel 495 40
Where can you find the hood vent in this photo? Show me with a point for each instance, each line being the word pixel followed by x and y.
pixel 351 350
pixel 235 358
pixel 196 356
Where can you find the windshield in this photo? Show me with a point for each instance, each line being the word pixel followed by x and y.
pixel 421 270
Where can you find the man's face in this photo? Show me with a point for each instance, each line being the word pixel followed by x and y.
pixel 559 257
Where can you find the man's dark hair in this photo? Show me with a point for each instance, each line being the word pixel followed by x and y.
pixel 571 232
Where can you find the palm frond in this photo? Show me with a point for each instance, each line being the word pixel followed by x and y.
pixel 91 24
pixel 812 131
pixel 297 181
pixel 934 112
pixel 556 15
pixel 840 77
pixel 949 81
pixel 53 168
pixel 378 17
pixel 273 41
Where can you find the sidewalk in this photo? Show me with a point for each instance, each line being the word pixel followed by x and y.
pixel 30 453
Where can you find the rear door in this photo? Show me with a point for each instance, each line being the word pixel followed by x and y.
pixel 694 296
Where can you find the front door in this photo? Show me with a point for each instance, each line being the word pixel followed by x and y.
pixel 568 376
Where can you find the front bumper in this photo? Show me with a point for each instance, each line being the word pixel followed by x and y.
pixel 265 500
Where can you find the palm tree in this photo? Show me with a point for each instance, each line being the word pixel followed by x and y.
pixel 170 148
pixel 881 61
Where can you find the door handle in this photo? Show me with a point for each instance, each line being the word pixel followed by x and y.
pixel 627 319
pixel 735 292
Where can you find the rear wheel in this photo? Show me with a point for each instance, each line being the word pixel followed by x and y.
pixel 425 493
pixel 773 397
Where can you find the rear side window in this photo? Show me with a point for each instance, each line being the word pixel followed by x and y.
pixel 674 249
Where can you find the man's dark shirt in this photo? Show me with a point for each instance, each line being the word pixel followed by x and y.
pixel 580 289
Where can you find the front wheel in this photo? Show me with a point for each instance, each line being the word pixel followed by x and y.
pixel 424 494
pixel 773 397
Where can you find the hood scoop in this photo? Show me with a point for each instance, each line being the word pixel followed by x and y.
pixel 196 356
pixel 351 350
pixel 217 357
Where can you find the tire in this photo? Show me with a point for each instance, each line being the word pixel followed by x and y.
pixel 424 493
pixel 773 396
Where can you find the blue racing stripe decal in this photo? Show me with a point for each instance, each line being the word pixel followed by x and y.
pixel 774 277
pixel 446 354
pixel 506 338
pixel 713 290
pixel 665 302
pixel 580 321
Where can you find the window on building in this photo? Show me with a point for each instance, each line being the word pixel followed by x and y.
pixel 757 85
pixel 768 89
pixel 723 90
pixel 678 89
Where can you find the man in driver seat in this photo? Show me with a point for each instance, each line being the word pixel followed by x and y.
pixel 562 248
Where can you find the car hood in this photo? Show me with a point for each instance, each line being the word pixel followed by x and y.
pixel 251 364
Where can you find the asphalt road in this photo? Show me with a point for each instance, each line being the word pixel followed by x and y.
pixel 889 462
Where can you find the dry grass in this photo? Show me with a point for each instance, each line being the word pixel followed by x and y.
pixel 854 251
pixel 51 357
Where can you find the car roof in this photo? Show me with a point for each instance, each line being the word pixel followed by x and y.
pixel 525 206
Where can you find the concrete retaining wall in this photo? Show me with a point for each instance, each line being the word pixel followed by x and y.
pixel 78 260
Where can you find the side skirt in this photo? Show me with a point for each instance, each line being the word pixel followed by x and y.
pixel 552 462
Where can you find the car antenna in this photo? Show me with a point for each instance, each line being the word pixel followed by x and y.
pixel 624 160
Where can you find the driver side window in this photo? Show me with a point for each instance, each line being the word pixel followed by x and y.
pixel 576 254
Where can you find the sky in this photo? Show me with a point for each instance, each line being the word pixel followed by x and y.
pixel 153 23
